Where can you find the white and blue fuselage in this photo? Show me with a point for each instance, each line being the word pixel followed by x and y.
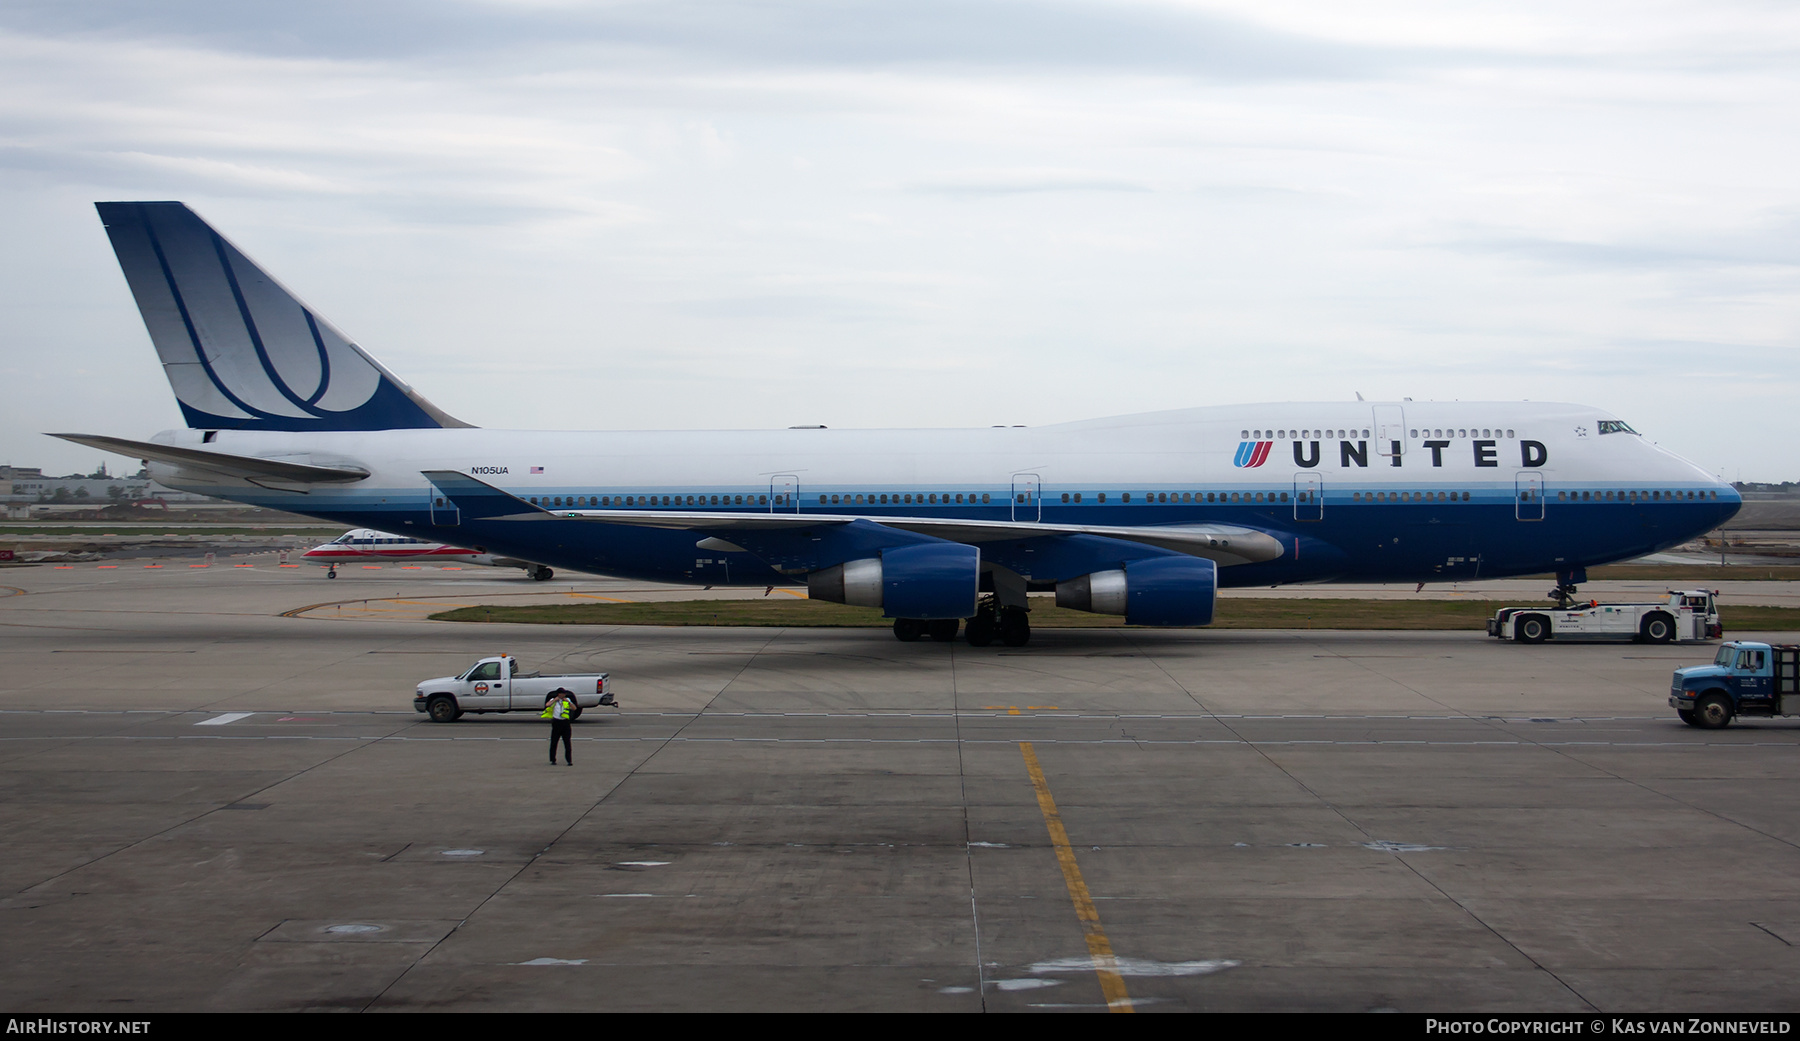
pixel 1474 491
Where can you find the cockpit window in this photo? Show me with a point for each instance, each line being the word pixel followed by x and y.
pixel 1614 426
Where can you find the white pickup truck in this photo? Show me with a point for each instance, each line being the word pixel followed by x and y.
pixel 497 685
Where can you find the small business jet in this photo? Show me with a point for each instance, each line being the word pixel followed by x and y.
pixel 1144 516
pixel 369 544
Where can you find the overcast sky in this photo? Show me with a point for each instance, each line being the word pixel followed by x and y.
pixel 921 213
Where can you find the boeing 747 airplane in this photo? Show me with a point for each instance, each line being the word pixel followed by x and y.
pixel 1144 516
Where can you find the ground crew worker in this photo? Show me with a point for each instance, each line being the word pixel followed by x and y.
pixel 560 711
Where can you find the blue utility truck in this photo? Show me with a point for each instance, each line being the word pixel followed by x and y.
pixel 1744 679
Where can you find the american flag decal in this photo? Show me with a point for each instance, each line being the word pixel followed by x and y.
pixel 537 469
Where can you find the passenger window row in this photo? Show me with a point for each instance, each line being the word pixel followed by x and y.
pixel 567 501
pixel 1282 434
pixel 1634 496
pixel 1487 432
pixel 873 499
pixel 971 498
pixel 1409 496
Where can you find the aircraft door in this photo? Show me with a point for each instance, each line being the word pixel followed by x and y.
pixel 1528 503
pixel 1027 503
pixel 444 513
pixel 1309 496
pixel 784 493
pixel 1390 431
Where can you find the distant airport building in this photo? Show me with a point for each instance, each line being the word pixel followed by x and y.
pixel 24 487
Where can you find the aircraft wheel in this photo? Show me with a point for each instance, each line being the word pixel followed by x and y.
pixel 1658 628
pixel 908 630
pixel 979 630
pixel 943 630
pixel 1015 628
pixel 1713 712
pixel 1687 716
pixel 331 574
pixel 542 574
pixel 1532 629
pixel 442 709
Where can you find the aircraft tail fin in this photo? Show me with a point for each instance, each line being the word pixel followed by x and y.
pixel 239 350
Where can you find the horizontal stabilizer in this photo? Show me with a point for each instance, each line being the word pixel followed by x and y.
pixel 278 473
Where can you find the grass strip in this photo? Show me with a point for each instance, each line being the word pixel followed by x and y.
pixel 1232 614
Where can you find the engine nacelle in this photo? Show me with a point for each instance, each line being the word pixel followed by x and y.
pixel 932 580
pixel 1155 591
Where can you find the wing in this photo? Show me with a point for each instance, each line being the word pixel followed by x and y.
pixel 809 541
pixel 268 473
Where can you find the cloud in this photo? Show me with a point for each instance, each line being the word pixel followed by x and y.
pixel 1142 37
pixel 1776 246
pixel 992 211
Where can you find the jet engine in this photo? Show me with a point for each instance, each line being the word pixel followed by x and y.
pixel 1155 591
pixel 932 580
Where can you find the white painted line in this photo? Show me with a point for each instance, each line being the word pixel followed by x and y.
pixel 1135 967
pixel 229 717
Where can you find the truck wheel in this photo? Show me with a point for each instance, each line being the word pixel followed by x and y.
pixel 1531 629
pixel 1712 712
pixel 575 714
pixel 442 709
pixel 1687 716
pixel 1658 628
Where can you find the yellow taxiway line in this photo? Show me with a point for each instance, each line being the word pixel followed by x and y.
pixel 1106 966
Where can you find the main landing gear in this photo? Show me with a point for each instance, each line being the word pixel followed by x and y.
pixel 1009 625
pixel 540 573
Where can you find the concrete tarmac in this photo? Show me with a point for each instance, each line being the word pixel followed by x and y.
pixel 211 806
